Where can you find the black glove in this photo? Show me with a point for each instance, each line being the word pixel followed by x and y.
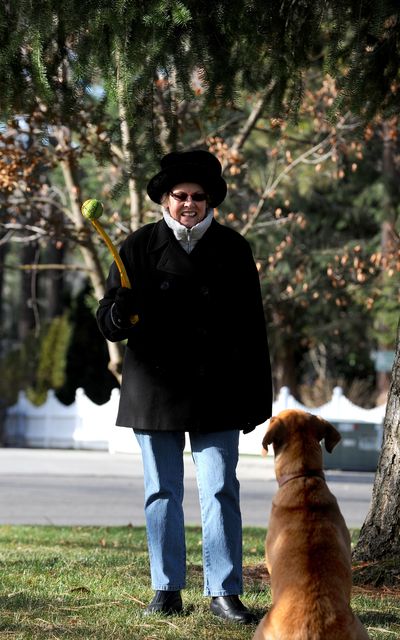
pixel 123 308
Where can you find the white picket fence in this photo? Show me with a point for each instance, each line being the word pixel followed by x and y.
pixel 86 425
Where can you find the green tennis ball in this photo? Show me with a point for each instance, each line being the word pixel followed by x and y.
pixel 92 209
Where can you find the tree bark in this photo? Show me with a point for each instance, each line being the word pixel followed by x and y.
pixel 3 252
pixel 53 283
pixel 28 313
pixel 380 533
pixel 135 203
pixel 284 371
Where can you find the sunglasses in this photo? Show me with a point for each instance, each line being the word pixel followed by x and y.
pixel 182 196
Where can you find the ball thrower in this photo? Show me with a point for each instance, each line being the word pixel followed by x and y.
pixel 92 210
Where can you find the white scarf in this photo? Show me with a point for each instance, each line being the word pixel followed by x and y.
pixel 188 238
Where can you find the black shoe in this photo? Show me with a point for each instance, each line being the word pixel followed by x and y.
pixel 231 608
pixel 166 602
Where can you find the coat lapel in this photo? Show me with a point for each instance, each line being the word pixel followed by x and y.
pixel 171 257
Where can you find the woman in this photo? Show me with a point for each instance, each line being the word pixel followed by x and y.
pixel 196 361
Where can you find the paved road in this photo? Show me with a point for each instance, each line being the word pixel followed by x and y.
pixel 42 486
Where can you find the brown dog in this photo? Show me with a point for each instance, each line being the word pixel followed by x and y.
pixel 308 544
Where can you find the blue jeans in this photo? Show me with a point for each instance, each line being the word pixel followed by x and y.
pixel 215 456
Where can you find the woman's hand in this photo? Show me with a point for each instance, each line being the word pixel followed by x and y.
pixel 124 307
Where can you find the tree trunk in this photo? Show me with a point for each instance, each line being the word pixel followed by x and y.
pixel 135 203
pixel 28 312
pixel 53 282
pixel 3 252
pixel 284 370
pixel 380 533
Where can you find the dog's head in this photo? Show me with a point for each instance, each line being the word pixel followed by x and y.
pixel 299 433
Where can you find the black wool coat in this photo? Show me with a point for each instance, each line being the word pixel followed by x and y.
pixel 198 358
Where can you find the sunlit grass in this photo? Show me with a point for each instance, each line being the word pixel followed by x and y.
pixel 92 582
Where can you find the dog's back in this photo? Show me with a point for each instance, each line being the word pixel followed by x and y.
pixel 308 555
pixel 308 551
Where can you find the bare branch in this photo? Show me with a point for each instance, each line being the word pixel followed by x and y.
pixel 51 267
pixel 319 159
pixel 272 223
pixel 270 188
pixel 6 238
pixel 54 203
pixel 18 227
pixel 249 125
pixel 117 151
pixel 223 127
pixel 12 227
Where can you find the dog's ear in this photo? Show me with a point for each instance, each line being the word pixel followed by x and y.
pixel 328 432
pixel 272 432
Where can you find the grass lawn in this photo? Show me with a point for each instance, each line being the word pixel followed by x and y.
pixel 92 582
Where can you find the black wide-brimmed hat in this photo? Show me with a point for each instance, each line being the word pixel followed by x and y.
pixel 189 166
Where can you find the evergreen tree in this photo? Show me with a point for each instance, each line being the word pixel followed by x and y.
pixel 233 44
pixel 50 373
pixel 86 345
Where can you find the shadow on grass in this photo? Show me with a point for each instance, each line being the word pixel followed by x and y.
pixel 378 574
pixel 380 618
pixel 26 630
pixel 15 602
pixel 26 616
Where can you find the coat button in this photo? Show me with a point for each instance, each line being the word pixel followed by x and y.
pixel 164 285
pixel 204 290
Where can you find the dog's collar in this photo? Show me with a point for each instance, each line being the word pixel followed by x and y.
pixel 304 474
